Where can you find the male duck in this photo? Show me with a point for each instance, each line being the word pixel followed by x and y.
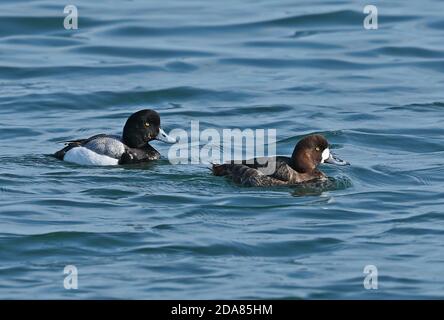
pixel 133 147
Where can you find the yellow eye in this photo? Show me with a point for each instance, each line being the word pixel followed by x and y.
pixel 147 124
pixel 318 149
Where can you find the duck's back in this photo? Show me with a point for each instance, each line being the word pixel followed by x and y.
pixel 108 145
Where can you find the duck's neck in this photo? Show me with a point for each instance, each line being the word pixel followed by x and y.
pixel 302 162
pixel 133 141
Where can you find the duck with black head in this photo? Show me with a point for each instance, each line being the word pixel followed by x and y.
pixel 299 168
pixel 132 147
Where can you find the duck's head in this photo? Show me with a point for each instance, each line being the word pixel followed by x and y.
pixel 310 152
pixel 143 127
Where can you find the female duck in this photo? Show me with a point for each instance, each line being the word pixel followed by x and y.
pixel 133 147
pixel 275 171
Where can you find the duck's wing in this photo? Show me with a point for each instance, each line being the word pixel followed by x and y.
pixel 272 171
pixel 256 163
pixel 245 175
pixel 81 142
pixel 69 144
pixel 110 146
pixel 102 144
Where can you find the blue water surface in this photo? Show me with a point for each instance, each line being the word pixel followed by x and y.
pixel 163 231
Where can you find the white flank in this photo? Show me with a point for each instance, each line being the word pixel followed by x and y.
pixel 84 156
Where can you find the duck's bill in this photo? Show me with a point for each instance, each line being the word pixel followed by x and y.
pixel 333 159
pixel 162 136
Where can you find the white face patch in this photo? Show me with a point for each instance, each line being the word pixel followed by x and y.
pixel 325 155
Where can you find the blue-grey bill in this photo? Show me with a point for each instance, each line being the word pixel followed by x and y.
pixel 333 159
pixel 162 136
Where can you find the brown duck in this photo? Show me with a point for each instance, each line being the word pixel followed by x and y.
pixel 276 171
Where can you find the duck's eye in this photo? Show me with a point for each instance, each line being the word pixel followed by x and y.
pixel 318 149
pixel 147 124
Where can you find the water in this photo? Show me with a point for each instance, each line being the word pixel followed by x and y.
pixel 164 231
